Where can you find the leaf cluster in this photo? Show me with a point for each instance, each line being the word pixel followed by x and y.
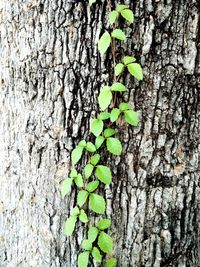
pixel 97 241
pixel 134 68
pixel 106 39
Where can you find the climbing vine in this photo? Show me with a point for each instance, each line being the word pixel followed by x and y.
pixel 103 127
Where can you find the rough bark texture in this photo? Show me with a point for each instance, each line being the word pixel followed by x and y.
pixel 51 74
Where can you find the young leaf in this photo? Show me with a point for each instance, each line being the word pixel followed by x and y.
pixel 86 244
pixel 118 34
pixel 95 159
pixel 105 97
pixel 99 141
pixel 83 259
pixel 82 144
pixel 75 211
pixel 92 2
pixel 118 87
pixel 90 147
pixel 131 117
pixel 113 16
pixel 129 59
pixel 76 154
pixel 92 186
pixel 83 217
pixel 124 106
pixel 73 173
pixel 104 116
pixel 136 71
pixel 109 132
pixel 88 170
pixel 111 262
pixel 103 173
pixel 104 43
pixel 114 146
pixel 93 233
pixel 96 254
pixel 66 187
pixel 121 7
pixel 82 197
pixel 70 225
pixel 97 203
pixel 119 69
pixel 96 126
pixel 105 242
pixel 79 180
pixel 104 224
pixel 128 15
pixel 114 115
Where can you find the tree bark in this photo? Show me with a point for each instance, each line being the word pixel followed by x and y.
pixel 51 74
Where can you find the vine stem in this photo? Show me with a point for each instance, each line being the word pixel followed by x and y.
pixel 113 48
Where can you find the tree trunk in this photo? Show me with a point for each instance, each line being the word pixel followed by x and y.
pixel 51 74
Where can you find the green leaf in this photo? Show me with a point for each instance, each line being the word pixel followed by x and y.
pixel 82 197
pixel 88 170
pixel 83 259
pixel 129 59
pixel 136 71
pixel 109 132
pixel 114 146
pixel 93 233
pixel 86 244
pixel 66 187
pixel 103 173
pixel 118 34
pixel 113 16
pixel 96 126
pixel 83 217
pixel 118 87
pixel 79 180
pixel 76 154
pixel 95 159
pixel 90 147
pixel 97 203
pixel 73 173
pixel 105 242
pixel 99 141
pixel 105 97
pixel 96 254
pixel 104 43
pixel 75 211
pixel 124 106
pixel 104 116
pixel 104 224
pixel 119 69
pixel 111 262
pixel 70 225
pixel 114 115
pixel 92 186
pixel 82 143
pixel 131 117
pixel 92 2
pixel 128 15
pixel 121 7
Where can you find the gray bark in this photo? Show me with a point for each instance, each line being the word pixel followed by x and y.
pixel 51 74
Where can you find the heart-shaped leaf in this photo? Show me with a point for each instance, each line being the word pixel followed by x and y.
pixel 136 71
pixel 97 203
pixel 114 146
pixel 104 43
pixel 103 173
pixel 105 242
